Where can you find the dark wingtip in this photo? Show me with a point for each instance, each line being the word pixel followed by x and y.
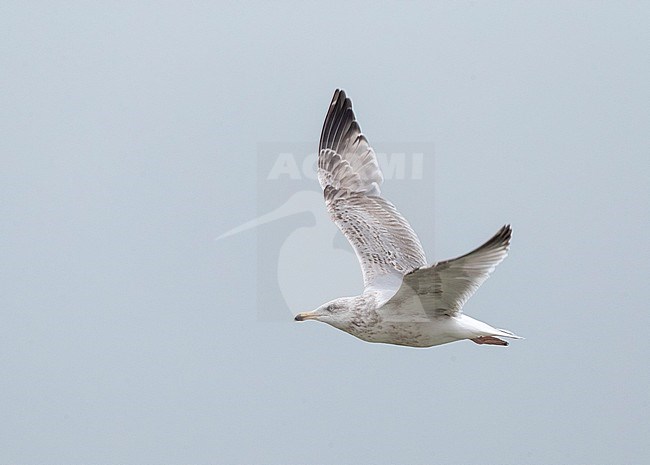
pixel 505 233
pixel 339 94
pixel 339 112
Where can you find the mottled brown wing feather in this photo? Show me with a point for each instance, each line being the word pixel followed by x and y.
pixel 348 171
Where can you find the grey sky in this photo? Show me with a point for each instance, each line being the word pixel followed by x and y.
pixel 130 140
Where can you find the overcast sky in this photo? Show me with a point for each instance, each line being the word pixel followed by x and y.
pixel 135 135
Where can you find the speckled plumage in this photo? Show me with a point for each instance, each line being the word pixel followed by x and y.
pixel 405 302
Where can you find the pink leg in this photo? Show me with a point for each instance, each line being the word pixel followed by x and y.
pixel 490 340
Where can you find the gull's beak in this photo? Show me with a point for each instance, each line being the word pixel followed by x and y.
pixel 305 316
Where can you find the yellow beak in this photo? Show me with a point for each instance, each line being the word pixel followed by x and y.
pixel 305 316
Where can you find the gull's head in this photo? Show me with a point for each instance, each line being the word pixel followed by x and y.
pixel 337 313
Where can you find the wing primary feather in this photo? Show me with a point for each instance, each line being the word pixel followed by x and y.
pixel 500 240
pixel 444 287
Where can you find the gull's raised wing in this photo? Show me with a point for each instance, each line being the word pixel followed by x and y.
pixel 385 244
pixel 444 287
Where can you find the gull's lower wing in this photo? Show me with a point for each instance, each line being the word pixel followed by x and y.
pixel 444 287
pixel 385 244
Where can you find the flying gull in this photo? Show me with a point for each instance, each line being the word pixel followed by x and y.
pixel 404 301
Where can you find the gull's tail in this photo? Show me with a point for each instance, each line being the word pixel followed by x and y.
pixel 506 333
pixel 482 333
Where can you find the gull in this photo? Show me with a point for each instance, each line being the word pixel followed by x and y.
pixel 404 301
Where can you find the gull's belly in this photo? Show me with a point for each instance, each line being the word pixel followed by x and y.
pixel 414 334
